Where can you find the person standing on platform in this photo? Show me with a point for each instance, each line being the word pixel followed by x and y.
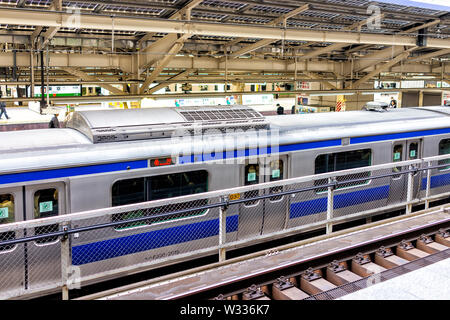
pixel 393 103
pixel 54 123
pixel 3 108
pixel 280 109
pixel 293 110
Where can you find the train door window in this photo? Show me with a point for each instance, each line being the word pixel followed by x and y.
pixel 251 177
pixel 251 174
pixel 46 205
pixel 128 191
pixel 444 148
pixel 397 156
pixel 413 150
pixel 6 216
pixel 276 168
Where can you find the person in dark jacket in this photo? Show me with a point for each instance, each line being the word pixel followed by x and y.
pixel 280 109
pixel 54 123
pixel 293 109
pixel 393 103
pixel 3 108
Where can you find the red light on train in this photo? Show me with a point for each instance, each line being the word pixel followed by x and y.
pixel 161 162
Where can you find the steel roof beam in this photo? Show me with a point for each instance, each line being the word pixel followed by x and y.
pixel 383 67
pixel 86 77
pixel 90 21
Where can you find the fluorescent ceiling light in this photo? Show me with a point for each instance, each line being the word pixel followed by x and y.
pixel 330 94
pixel 380 92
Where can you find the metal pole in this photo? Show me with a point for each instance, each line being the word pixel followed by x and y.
pixel 65 264
pixel 47 69
pixel 42 80
pixel 32 72
pixel 409 191
pixel 330 205
pixel 427 192
pixel 222 230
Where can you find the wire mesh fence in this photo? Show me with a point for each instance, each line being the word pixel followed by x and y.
pixel 69 251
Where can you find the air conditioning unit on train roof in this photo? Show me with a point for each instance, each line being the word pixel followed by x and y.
pixel 102 126
pixel 376 106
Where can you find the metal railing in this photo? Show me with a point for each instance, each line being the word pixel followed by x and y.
pixel 68 251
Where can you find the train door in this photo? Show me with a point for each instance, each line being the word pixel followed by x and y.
pixel 262 216
pixel 275 208
pixel 43 256
pixel 397 181
pixel 414 148
pixel 250 212
pixel 12 259
pixel 402 151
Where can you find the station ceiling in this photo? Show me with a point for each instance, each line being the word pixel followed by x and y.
pixel 280 39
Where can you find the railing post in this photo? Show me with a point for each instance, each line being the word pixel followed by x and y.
pixel 409 190
pixel 330 205
pixel 65 263
pixel 427 192
pixel 223 229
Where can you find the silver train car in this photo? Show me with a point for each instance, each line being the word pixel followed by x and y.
pixel 117 157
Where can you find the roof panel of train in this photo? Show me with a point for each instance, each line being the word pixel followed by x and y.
pixel 355 118
pixel 154 123
pixel 40 139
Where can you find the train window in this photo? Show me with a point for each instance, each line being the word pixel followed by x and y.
pixel 155 188
pixel 276 170
pixel 413 151
pixel 343 161
pixel 6 208
pixel 251 177
pixel 6 216
pixel 178 184
pixel 128 191
pixel 444 148
pixel 46 205
pixel 251 174
pixel 397 156
pixel 276 173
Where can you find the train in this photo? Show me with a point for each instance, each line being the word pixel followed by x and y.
pixel 109 158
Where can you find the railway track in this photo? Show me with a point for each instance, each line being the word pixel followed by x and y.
pixel 322 268
pixel 348 274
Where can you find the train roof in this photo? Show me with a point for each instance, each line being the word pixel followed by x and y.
pixel 70 146
pixel 384 119
pixel 155 123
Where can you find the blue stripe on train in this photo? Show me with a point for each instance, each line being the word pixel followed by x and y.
pixel 71 172
pixel 437 181
pixel 305 208
pixel 401 135
pixel 257 151
pixel 117 247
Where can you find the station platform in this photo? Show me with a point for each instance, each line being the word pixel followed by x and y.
pixel 23 115
pixel 22 118
pixel 428 283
